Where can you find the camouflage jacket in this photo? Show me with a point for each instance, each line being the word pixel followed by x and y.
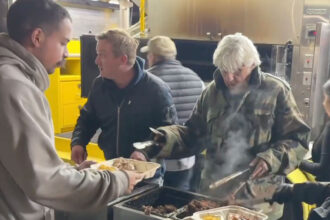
pixel 276 131
pixel 265 123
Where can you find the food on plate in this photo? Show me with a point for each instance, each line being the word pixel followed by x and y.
pixel 159 210
pixel 211 217
pixel 124 164
pixel 235 216
pixel 106 167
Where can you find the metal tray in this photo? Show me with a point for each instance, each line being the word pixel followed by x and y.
pixel 132 208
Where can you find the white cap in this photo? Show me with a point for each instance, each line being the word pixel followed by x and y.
pixel 160 45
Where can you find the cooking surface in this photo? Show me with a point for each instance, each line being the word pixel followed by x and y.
pixel 161 196
pixel 139 188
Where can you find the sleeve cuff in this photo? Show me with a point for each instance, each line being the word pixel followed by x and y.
pixel 74 144
pixel 272 161
pixel 123 181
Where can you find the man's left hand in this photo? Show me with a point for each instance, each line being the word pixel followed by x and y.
pixel 261 168
pixel 136 155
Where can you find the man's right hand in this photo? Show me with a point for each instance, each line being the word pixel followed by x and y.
pixel 136 155
pixel 133 178
pixel 78 154
pixel 158 137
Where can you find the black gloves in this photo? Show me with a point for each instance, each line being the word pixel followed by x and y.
pixel 309 192
pixel 322 212
pixel 283 193
pixel 158 137
pixel 156 145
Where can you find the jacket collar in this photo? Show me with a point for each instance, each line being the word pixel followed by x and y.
pixel 166 61
pixel 254 81
pixel 139 71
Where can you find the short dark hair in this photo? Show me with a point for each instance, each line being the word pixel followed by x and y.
pixel 24 16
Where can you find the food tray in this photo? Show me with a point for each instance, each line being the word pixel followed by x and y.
pixel 225 211
pixel 133 208
pixel 148 169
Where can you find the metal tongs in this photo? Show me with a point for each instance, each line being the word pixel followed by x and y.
pixel 229 178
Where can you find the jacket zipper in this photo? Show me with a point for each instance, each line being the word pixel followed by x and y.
pixel 118 126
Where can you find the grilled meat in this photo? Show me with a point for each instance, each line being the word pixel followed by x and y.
pixel 200 205
pixel 159 210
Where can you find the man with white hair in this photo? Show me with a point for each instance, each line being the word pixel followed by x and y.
pixel 186 87
pixel 245 118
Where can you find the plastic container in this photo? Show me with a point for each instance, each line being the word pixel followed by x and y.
pixel 227 213
pixel 148 169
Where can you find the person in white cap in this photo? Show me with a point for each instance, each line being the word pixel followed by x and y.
pixel 186 87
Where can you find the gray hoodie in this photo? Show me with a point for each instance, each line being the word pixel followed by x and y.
pixel 32 176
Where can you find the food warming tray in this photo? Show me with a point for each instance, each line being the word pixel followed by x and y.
pixel 133 208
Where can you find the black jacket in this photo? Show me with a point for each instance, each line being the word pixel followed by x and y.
pixel 320 156
pixel 185 84
pixel 309 192
pixel 145 102
pixel 314 193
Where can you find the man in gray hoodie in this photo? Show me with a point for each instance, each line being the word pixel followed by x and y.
pixel 33 178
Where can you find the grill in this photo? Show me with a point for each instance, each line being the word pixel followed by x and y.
pixel 133 208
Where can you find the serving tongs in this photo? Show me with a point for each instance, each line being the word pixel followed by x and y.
pixel 229 178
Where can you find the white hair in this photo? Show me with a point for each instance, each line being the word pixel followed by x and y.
pixel 235 51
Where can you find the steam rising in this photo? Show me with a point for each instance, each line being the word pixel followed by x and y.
pixel 236 151
pixel 232 153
